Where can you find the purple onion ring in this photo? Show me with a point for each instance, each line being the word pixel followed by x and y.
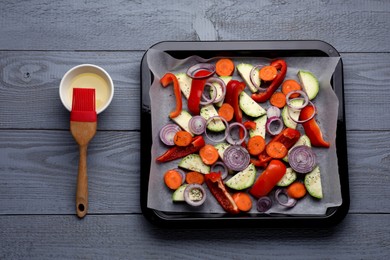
pixel 304 97
pixel 309 118
pixel 271 124
pixel 226 132
pixel 251 75
pixel 302 159
pixel 198 190
pixel 224 173
pixel 223 86
pixel 191 72
pixel 197 125
pixel 291 202
pixel 211 99
pixel 263 204
pixel 229 137
pixel 167 133
pixel 236 157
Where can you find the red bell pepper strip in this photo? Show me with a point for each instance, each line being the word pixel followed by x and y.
pixel 167 79
pixel 250 125
pixel 312 129
pixel 288 137
pixel 268 179
pixel 177 152
pixel 197 88
pixel 233 91
pixel 264 96
pixel 217 187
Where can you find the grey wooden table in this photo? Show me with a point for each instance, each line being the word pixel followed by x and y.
pixel 41 39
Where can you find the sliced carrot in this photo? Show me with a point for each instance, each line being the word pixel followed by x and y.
pixel 289 86
pixel 182 138
pixel 268 73
pixel 256 144
pixel 226 111
pixel 173 179
pixel 224 67
pixel 243 201
pixel 278 99
pixel 296 190
pixel 194 177
pixel 208 154
pixel 276 150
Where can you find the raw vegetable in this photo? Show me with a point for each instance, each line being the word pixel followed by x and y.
pixel 268 179
pixel 197 125
pixel 184 83
pixel 177 152
pixel 288 137
pixel 236 158
pixel 302 159
pixel 273 111
pixel 289 177
pixel 178 195
pixel 226 111
pixel 165 81
pixel 276 150
pixel 208 112
pixel 215 120
pixel 221 147
pixel 233 91
pixel 194 177
pixel 230 135
pixel 274 125
pixel 260 127
pixel 243 179
pixel 193 162
pixel 173 179
pixel 296 190
pixel 243 201
pixel 249 106
pixel 265 95
pixel 182 138
pixel 291 85
pixel 263 204
pixel 244 70
pixel 197 87
pixel 303 140
pixel 268 73
pixel 208 154
pixel 310 83
pixel 224 67
pixel 256 144
pixel 216 167
pixel 281 195
pixel 220 90
pixel 183 119
pixel 217 188
pixel 194 194
pixel 312 129
pixel 291 115
pixel 278 99
pixel 313 183
pixel 167 133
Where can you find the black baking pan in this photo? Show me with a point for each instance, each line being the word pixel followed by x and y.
pixel 267 49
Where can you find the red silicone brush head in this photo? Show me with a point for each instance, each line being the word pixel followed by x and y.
pixel 83 105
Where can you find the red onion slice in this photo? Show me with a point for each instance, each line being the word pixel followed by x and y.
pixel 302 159
pixel 167 133
pixel 263 204
pixel 197 125
pixel 229 137
pixel 222 85
pixel 191 72
pixel 273 111
pixel 281 195
pixel 236 158
pixel 252 74
pixel 274 125
pixel 303 96
pixel 208 100
pixel 194 194
pixel 225 132
pixel 216 168
pixel 309 118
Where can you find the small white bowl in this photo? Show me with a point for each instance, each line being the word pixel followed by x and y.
pixel 94 75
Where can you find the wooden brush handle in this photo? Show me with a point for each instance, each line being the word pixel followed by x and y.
pixel 82 184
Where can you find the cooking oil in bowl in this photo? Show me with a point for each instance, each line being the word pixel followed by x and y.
pixel 92 80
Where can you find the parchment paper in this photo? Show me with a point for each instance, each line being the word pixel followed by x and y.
pixel 163 102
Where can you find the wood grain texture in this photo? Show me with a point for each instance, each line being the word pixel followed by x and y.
pixel 29 89
pixel 39 171
pixel 350 26
pixel 132 237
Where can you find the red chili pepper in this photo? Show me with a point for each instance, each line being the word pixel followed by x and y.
pixel 177 152
pixel 312 129
pixel 288 137
pixel 268 179
pixel 217 187
pixel 167 79
pixel 197 88
pixel 264 96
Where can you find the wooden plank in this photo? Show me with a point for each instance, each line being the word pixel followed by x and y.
pixel 29 89
pixel 39 168
pixel 131 236
pixel 49 25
